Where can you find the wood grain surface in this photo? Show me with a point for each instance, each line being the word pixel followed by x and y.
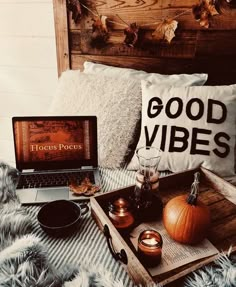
pixel 213 192
pixel 193 49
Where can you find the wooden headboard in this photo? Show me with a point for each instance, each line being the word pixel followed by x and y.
pixel 194 48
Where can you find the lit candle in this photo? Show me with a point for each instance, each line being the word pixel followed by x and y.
pixel 120 213
pixel 150 247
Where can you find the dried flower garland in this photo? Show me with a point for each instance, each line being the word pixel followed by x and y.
pixel 203 12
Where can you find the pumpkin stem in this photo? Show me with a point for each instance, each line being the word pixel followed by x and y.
pixel 192 198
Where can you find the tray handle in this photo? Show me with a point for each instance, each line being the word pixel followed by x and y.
pixel 122 256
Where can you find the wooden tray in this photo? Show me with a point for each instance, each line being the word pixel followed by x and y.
pixel 218 194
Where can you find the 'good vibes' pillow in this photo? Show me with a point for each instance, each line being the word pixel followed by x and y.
pixel 193 126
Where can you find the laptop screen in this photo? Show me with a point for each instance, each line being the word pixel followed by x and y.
pixel 44 143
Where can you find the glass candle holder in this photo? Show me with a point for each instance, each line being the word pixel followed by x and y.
pixel 120 213
pixel 150 248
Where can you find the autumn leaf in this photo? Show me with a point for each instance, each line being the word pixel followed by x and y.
pixel 131 35
pixel 100 23
pixel 75 7
pixel 204 11
pixel 165 30
pixel 99 29
pixel 211 7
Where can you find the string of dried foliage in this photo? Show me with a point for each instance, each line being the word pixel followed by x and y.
pixel 203 12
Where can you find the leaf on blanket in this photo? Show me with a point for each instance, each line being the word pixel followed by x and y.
pixel 131 35
pixel 165 30
pixel 204 11
pixel 75 7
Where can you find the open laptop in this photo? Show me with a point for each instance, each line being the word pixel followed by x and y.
pixel 51 152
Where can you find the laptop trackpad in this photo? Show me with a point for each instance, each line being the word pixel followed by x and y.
pixel 50 194
pixel 27 195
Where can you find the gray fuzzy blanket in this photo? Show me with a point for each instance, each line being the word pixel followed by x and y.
pixel 24 261
pixel 23 257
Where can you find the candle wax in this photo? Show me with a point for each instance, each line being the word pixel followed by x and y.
pixel 150 241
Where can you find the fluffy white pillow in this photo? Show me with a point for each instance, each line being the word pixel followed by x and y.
pixel 115 102
pixel 192 125
pixel 125 73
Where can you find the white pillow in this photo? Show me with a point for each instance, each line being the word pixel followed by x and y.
pixel 125 73
pixel 192 125
pixel 115 102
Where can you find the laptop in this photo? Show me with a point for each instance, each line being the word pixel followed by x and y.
pixel 51 152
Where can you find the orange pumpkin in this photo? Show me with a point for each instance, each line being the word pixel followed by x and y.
pixel 187 219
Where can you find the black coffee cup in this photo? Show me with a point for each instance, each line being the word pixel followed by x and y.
pixel 61 218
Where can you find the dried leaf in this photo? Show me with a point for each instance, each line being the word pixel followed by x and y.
pixel 204 21
pixel 211 7
pixel 204 11
pixel 75 7
pixel 165 30
pixel 131 35
pixel 99 29
pixel 86 187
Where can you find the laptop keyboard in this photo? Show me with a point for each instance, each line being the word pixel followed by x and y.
pixel 53 179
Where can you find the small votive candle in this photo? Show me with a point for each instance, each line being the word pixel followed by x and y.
pixel 150 247
pixel 120 213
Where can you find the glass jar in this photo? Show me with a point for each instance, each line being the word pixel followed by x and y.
pixel 150 247
pixel 120 213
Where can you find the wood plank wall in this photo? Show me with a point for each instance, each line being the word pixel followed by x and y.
pixel 194 48
pixel 28 67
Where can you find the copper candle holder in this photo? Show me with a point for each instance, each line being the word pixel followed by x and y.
pixel 150 247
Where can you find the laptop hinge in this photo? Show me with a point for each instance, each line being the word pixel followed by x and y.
pixel 27 170
pixel 87 167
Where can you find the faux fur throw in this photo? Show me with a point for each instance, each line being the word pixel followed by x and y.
pixel 24 261
pixel 23 258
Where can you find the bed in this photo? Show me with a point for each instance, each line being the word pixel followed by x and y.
pixel 196 47
pixel 88 246
pixel 206 46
